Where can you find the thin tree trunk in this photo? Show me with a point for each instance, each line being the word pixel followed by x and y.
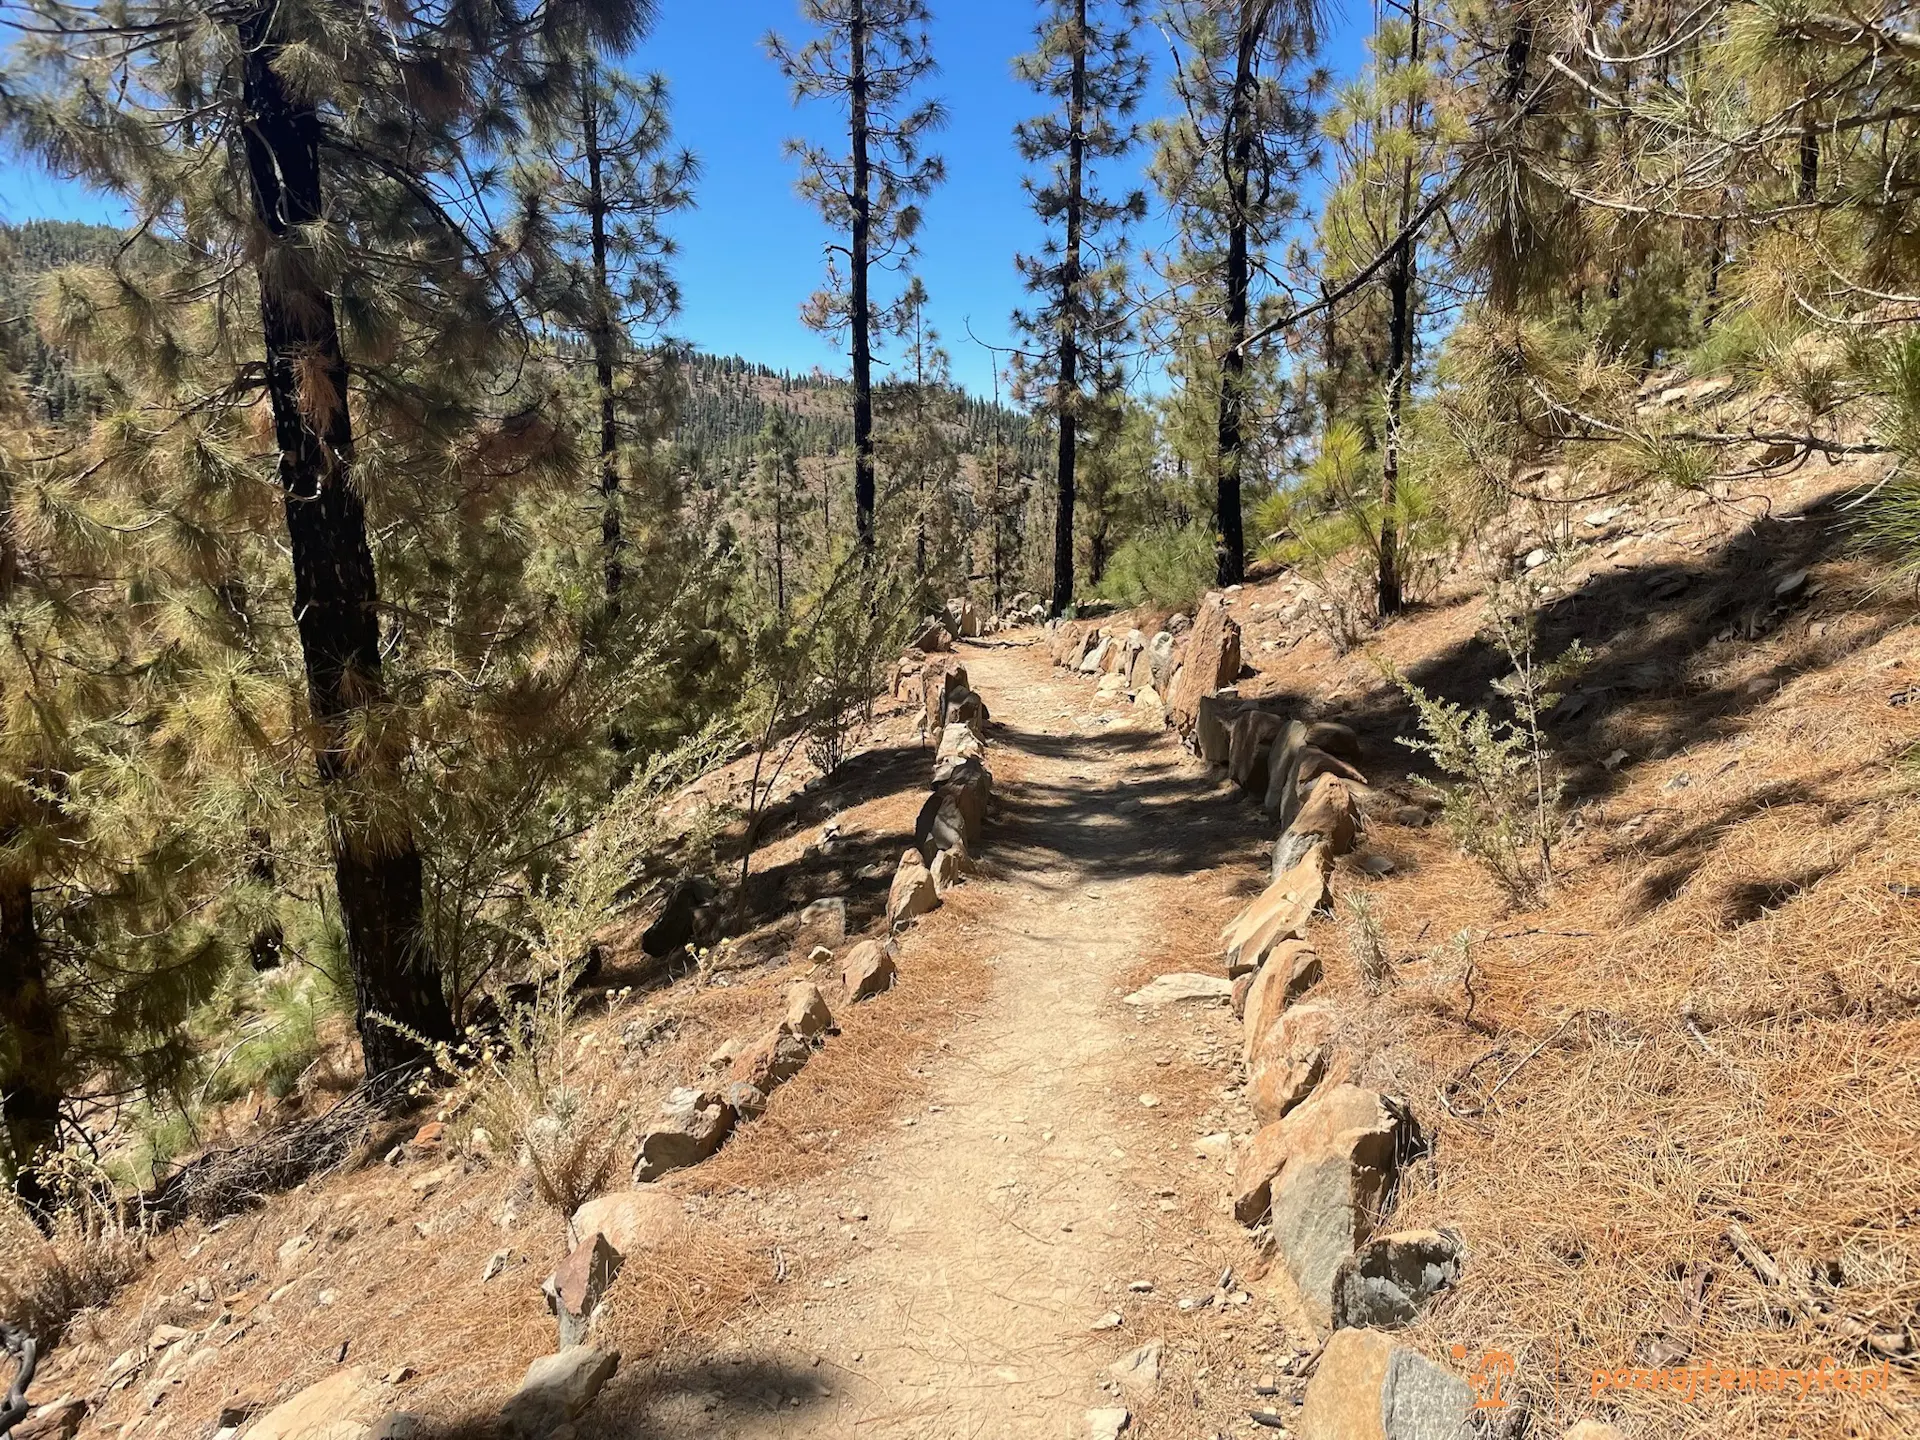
pixel 863 476
pixel 1070 320
pixel 35 1045
pixel 1399 363
pixel 610 540
pixel 1231 551
pixel 336 596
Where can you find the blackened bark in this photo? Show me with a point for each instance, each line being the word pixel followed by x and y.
pixel 1069 393
pixel 610 541
pixel 1231 542
pixel 863 476
pixel 1399 366
pixel 335 593
pixel 33 1039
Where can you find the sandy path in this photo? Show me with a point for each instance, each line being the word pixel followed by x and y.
pixel 1005 1220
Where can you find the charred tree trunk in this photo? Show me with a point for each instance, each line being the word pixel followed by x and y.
pixel 33 1040
pixel 399 1001
pixel 1231 544
pixel 1069 392
pixel 611 543
pixel 1400 276
pixel 863 473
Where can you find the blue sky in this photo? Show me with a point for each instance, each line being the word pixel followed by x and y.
pixel 752 251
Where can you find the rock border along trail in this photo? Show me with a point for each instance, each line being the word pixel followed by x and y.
pixel 1030 1198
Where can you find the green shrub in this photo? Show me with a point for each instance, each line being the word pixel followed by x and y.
pixel 1167 566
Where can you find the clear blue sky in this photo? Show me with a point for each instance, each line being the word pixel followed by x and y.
pixel 752 251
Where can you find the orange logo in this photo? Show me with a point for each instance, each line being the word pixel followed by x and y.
pixel 1489 1377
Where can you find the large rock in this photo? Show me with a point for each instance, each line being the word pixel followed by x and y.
pixel 956 809
pixel 1368 1388
pixel 633 1221
pixel 1161 655
pixel 1319 1177
pixel 1212 661
pixel 807 1012
pixel 959 743
pixel 344 1406
pixel 1250 737
pixel 1092 662
pixel 1290 1058
pixel 1181 988
pixel 966 707
pixel 913 893
pixel 941 679
pixel 868 970
pixel 963 618
pixel 1305 766
pixel 771 1060
pixel 691 1126
pixel 557 1389
pixel 1279 913
pixel 575 1290
pixel 1289 972
pixel 1213 718
pixel 689 917
pixel 1384 1284
pixel 58 1421
pixel 948 869
pixel 1329 817
pixel 931 637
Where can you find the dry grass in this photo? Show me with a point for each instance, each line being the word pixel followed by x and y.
pixel 46 1280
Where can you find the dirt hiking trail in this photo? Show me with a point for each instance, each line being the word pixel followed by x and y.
pixel 1044 1186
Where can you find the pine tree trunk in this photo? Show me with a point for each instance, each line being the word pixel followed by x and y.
pixel 336 596
pixel 1231 551
pixel 863 474
pixel 1069 393
pixel 1399 364
pixel 610 541
pixel 32 1039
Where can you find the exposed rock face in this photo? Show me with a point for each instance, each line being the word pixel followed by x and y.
pixel 1319 1177
pixel 1289 972
pixel 1212 660
pixel 868 970
pixel 557 1389
pixel 771 1060
pixel 688 918
pixel 955 813
pixel 633 1221
pixel 344 1406
pixel 1278 914
pixel 1290 1058
pixel 1329 817
pixel 807 1013
pixel 1368 1388
pixel 747 1100
pixel 913 893
pixel 1182 987
pixel 692 1125
pixel 958 743
pixel 579 1284
pixel 1384 1284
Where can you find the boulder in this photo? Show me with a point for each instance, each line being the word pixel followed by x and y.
pixel 1292 970
pixel 1319 1178
pixel 1242 987
pixel 1328 817
pixel 1280 912
pixel 807 1013
pixel 1250 737
pixel 868 970
pixel 1290 1058
pixel 577 1287
pixel 689 917
pixel 1212 660
pixel 965 707
pixel 1212 738
pixel 1147 696
pixel 58 1421
pixel 1384 1284
pixel 959 743
pixel 632 1221
pixel 557 1389
pixel 1336 739
pixel 692 1125
pixel 1180 988
pixel 963 618
pixel 948 869
pixel 912 894
pixel 942 678
pixel 1140 666
pixel 932 637
pixel 955 812
pixel 824 922
pixel 771 1060
pixel 747 1100
pixel 344 1406
pixel 1096 658
pixel 1305 766
pixel 1160 657
pixel 1368 1388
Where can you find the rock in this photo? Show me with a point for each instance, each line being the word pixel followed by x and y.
pixel 968 710
pixel 291 1249
pixel 807 1013
pixel 1096 658
pixel 913 893
pixel 58 1421
pixel 398 1425
pixel 1289 972
pixel 165 1335
pixel 1213 717
pixel 1280 913
pixel 1138 1369
pixel 1319 1177
pixel 964 619
pixel 947 870
pixel 1368 1388
pixel 692 1125
pixel 1306 764
pixel 771 1060
pixel 1242 986
pixel 1148 696
pixel 1108 1423
pixel 1159 653
pixel 1377 865
pixel 726 1053
pixel 1788 586
pixel 633 1221
pixel 868 970
pixel 1383 1284
pixel 1111 685
pixel 430 1136
pixel 1180 987
pixel 578 1286
pixel 1250 738
pixel 824 922
pixel 344 1406
pixel 1290 1059
pixel 557 1389
pixel 958 742
pixel 689 917
pixel 496 1264
pixel 1536 558
pixel 1212 660
pixel 943 678
pixel 1335 739
pixel 1328 817
pixel 431 1181
pixel 931 637
pixel 747 1100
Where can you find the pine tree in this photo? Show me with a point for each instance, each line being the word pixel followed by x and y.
pixel 869 56
pixel 1095 76
pixel 781 502
pixel 919 439
pixel 1232 163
